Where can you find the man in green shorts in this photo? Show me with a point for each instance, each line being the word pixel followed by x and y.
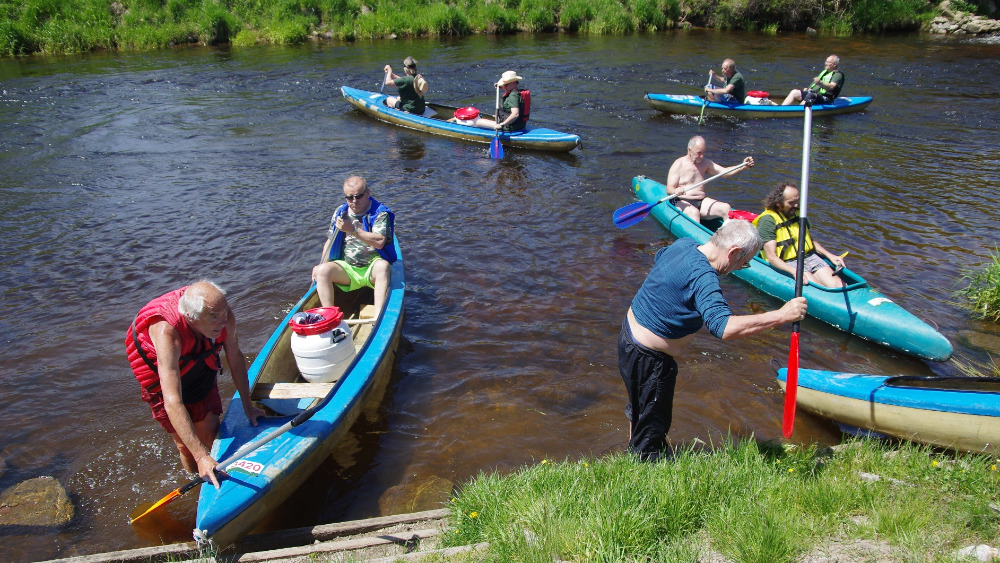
pixel 359 247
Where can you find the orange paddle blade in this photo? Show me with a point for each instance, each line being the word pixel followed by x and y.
pixel 791 387
pixel 165 500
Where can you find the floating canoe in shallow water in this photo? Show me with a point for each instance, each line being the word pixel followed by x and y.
pixel 262 480
pixel 857 308
pixel 950 412
pixel 691 105
pixel 436 121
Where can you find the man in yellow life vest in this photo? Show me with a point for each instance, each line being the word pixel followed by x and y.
pixel 778 227
pixel 824 88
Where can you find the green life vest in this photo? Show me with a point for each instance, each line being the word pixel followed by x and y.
pixel 823 78
pixel 786 231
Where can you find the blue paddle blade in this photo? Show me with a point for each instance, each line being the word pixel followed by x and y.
pixel 496 149
pixel 631 214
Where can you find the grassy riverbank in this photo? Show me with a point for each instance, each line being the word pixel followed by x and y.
pixel 754 502
pixel 72 26
pixel 981 296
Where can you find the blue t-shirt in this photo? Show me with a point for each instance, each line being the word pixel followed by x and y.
pixel 681 293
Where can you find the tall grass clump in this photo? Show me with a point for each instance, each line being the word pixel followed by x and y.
pixel 888 15
pixel 981 296
pixel 747 502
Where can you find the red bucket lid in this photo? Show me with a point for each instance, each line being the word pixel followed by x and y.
pixel 758 94
pixel 740 214
pixel 467 113
pixel 331 318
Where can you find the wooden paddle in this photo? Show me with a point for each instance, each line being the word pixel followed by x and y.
pixel 496 149
pixel 635 212
pixel 792 377
pixel 305 415
pixel 705 103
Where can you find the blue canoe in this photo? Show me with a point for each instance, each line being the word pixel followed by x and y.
pixel 691 105
pixel 857 308
pixel 435 121
pixel 265 478
pixel 960 413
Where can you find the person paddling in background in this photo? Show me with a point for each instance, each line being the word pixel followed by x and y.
pixel 411 86
pixel 511 116
pixel 680 295
pixel 733 89
pixel 824 88
pixel 359 246
pixel 778 226
pixel 691 169
pixel 173 348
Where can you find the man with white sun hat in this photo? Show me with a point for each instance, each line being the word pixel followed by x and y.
pixel 512 113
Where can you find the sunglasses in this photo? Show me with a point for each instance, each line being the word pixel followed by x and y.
pixel 356 197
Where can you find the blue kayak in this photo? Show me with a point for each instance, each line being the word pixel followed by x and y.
pixel 950 412
pixel 436 120
pixel 857 308
pixel 261 480
pixel 691 105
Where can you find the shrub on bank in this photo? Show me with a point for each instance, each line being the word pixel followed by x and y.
pixel 982 292
pixel 69 26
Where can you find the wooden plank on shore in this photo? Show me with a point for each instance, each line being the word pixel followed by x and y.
pixel 259 542
pixel 408 538
pixel 326 532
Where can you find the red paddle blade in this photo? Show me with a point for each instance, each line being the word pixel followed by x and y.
pixel 631 214
pixel 791 387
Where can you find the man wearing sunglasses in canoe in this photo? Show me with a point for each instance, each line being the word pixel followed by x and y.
pixel 359 250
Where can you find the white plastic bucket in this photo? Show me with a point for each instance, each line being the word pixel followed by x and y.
pixel 323 349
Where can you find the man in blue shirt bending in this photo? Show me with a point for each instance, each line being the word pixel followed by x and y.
pixel 680 294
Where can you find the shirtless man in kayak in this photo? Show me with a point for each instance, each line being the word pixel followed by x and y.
pixel 691 169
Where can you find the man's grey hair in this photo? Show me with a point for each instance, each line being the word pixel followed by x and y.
pixel 192 303
pixel 693 142
pixel 739 233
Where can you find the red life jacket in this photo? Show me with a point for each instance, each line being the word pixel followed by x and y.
pixel 526 102
pixel 196 349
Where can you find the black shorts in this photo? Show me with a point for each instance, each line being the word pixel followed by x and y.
pixel 815 97
pixel 649 378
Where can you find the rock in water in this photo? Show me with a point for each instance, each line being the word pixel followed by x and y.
pixel 41 501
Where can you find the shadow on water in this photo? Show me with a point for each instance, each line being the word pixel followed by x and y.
pixel 125 176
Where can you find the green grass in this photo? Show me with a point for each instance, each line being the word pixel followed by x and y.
pixel 751 502
pixel 71 26
pixel 982 292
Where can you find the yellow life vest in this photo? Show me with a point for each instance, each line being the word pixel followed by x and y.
pixel 786 231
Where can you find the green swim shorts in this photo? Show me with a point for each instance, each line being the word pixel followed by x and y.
pixel 360 277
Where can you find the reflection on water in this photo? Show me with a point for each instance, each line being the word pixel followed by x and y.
pixel 124 176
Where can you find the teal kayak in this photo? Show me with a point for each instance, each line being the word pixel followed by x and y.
pixel 949 412
pixel 857 308
pixel 261 480
pixel 692 105
pixel 437 120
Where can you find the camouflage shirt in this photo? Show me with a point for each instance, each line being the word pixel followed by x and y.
pixel 356 252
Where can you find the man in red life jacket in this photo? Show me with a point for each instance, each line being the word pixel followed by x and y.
pixel 173 347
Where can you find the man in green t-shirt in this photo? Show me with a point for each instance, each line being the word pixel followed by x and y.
pixel 734 88
pixel 411 87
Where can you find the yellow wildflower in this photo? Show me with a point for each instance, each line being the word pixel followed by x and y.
pixel 934 463
pixel 473 514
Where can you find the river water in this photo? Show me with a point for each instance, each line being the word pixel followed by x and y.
pixel 124 176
